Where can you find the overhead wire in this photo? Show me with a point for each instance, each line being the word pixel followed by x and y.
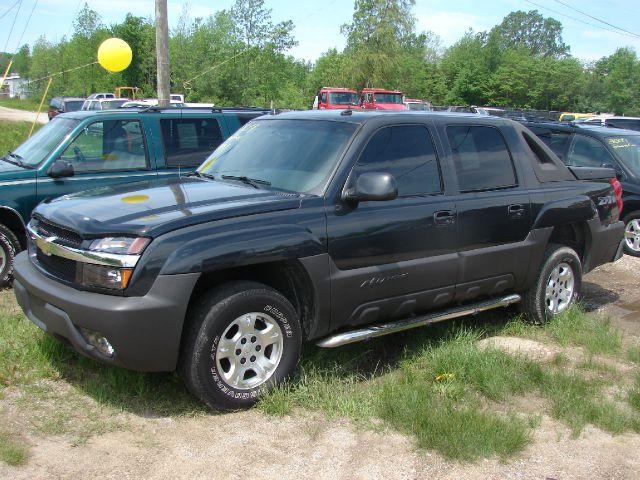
pixel 596 19
pixel 578 19
pixel 26 24
pixel 9 9
pixel 12 25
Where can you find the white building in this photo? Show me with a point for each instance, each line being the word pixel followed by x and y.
pixel 14 87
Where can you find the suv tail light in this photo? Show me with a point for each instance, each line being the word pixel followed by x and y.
pixel 617 190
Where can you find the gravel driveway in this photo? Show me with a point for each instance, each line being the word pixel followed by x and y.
pixel 21 115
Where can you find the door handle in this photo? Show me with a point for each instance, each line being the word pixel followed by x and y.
pixel 516 210
pixel 444 217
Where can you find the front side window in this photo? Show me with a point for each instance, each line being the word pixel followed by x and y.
pixel 108 145
pixel 481 158
pixel 188 142
pixel 407 153
pixel 588 152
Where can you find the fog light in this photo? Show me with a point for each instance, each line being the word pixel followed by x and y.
pixel 99 342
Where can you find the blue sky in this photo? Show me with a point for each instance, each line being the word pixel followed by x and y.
pixel 318 21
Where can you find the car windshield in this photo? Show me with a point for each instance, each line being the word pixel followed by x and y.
pixel 389 98
pixel 109 104
pixel 627 149
pixel 72 106
pixel 418 106
pixel 35 149
pixel 343 98
pixel 291 155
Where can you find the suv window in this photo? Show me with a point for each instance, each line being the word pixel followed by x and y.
pixel 108 145
pixel 189 141
pixel 407 153
pixel 588 152
pixel 481 158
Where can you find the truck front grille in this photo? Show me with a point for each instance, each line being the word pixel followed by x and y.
pixel 57 266
pixel 64 236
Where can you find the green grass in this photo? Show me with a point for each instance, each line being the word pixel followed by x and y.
pixel 30 104
pixel 12 452
pixel 435 384
pixel 13 134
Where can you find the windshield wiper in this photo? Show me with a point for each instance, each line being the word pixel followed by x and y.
pixel 254 182
pixel 18 160
pixel 203 175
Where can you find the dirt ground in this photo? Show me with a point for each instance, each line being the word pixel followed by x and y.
pixel 15 115
pixel 307 446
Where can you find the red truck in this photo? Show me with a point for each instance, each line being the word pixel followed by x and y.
pixel 381 99
pixel 330 98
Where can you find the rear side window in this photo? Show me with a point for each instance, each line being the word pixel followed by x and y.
pixel 481 158
pixel 407 153
pixel 188 142
pixel 588 152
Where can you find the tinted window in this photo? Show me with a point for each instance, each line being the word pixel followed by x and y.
pixel 106 146
pixel 73 105
pixel 189 141
pixel 588 152
pixel 556 141
pixel 481 158
pixel 628 123
pixel 407 153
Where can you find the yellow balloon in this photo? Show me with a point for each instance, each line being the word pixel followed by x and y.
pixel 114 54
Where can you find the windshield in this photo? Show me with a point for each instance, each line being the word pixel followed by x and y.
pixel 106 105
pixel 418 106
pixel 35 149
pixel 292 155
pixel 389 98
pixel 73 106
pixel 627 149
pixel 343 98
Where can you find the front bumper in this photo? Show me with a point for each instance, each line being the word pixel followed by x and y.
pixel 144 331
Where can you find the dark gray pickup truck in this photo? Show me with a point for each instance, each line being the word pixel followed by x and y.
pixel 326 226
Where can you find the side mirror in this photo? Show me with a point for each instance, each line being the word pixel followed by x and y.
pixel 372 186
pixel 61 168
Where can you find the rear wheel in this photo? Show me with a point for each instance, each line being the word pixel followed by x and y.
pixel 632 234
pixel 239 343
pixel 557 284
pixel 9 247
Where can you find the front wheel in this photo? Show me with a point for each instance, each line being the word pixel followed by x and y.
pixel 238 344
pixel 632 234
pixel 557 285
pixel 9 247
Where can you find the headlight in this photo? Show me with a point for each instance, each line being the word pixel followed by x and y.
pixel 120 245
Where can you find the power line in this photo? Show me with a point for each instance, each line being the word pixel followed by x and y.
pixel 12 25
pixel 596 19
pixel 579 20
pixel 9 9
pixel 26 24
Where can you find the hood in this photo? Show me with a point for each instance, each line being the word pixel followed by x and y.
pixel 9 170
pixel 156 207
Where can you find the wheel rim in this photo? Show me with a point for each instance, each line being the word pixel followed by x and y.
pixel 249 350
pixel 560 288
pixel 632 234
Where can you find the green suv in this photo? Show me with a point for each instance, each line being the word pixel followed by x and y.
pixel 88 149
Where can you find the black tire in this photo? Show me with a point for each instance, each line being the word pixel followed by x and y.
pixel 9 248
pixel 539 307
pixel 207 368
pixel 632 234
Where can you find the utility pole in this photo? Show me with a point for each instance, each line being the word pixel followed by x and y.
pixel 162 52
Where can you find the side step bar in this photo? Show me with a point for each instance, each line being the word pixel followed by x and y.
pixel 386 328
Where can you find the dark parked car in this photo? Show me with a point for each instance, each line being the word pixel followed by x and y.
pixel 87 149
pixel 590 146
pixel 328 226
pixel 60 105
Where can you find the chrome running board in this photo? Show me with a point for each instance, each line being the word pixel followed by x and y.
pixel 386 328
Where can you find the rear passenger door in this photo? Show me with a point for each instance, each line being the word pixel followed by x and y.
pixel 393 258
pixel 494 215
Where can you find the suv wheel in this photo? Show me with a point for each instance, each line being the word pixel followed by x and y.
pixel 238 344
pixel 557 284
pixel 632 234
pixel 9 247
